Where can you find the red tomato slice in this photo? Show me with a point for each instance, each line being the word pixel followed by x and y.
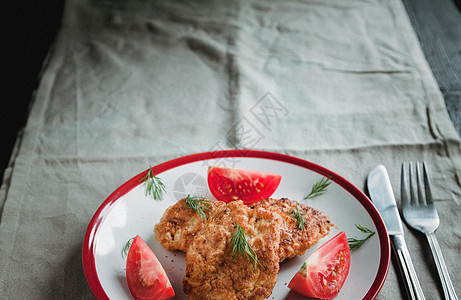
pixel 145 275
pixel 323 274
pixel 236 184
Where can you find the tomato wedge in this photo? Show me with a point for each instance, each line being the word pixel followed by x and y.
pixel 228 184
pixel 323 274
pixel 145 275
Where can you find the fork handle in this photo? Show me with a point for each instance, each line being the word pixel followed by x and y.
pixel 448 288
pixel 412 285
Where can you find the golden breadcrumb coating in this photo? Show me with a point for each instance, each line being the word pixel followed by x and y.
pixel 179 224
pixel 211 271
pixel 294 241
pixel 271 231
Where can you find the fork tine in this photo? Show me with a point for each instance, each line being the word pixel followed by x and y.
pixel 420 184
pixel 404 191
pixel 413 184
pixel 427 184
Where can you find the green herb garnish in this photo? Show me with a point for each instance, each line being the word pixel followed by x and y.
pixel 198 204
pixel 154 186
pixel 355 243
pixel 126 248
pixel 319 188
pixel 242 247
pixel 298 217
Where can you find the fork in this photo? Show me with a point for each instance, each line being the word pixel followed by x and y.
pixel 420 213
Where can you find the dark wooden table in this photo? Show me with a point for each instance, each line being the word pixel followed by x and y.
pixel 438 26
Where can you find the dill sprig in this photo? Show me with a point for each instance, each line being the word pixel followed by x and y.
pixel 126 248
pixel 298 217
pixel 319 188
pixel 154 185
pixel 198 204
pixel 355 243
pixel 240 246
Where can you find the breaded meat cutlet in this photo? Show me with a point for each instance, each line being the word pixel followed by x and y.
pixel 180 223
pixel 211 270
pixel 293 240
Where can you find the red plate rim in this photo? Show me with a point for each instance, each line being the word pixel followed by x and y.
pixel 88 258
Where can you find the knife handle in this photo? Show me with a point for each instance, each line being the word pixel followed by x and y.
pixel 412 285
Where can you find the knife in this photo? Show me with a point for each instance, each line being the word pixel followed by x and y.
pixel 380 190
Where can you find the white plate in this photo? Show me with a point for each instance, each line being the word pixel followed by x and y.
pixel 128 212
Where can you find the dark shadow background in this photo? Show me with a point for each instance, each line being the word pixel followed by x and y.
pixel 30 27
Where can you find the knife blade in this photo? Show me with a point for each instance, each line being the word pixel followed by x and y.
pixel 381 193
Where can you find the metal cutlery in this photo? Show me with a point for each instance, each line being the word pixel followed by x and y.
pixel 420 213
pixel 380 190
